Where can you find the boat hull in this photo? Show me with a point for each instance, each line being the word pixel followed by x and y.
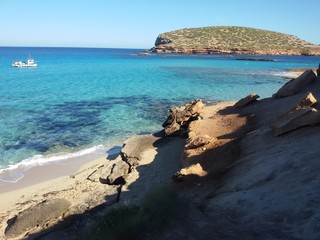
pixel 28 64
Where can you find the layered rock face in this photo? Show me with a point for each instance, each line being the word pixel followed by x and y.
pixel 268 187
pixel 217 50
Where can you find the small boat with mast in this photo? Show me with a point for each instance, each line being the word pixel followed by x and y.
pixel 25 64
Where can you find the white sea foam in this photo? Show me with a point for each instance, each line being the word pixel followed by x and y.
pixel 15 172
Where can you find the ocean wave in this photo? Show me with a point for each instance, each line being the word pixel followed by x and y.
pixel 15 172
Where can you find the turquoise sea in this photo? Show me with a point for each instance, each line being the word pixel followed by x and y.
pixel 79 100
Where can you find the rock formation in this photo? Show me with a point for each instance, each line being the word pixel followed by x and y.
pixel 296 85
pixel 193 170
pixel 294 120
pixel 180 117
pixel 36 217
pixel 246 100
pixel 195 141
pixel 270 188
pixel 301 114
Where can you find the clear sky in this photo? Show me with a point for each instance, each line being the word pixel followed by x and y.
pixel 137 23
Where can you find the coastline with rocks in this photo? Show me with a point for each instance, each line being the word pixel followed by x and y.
pixel 247 167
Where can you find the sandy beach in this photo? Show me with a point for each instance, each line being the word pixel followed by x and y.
pixel 295 72
pixel 75 182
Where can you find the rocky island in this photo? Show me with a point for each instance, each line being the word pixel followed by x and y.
pixel 232 40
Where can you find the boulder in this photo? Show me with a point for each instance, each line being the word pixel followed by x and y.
pixel 307 101
pixel 246 100
pixel 181 116
pixel 135 147
pixel 172 129
pixel 296 85
pixel 194 169
pixel 198 141
pixel 295 119
pixel 134 150
pixel 116 174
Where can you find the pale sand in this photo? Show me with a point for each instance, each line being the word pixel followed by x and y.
pixel 37 182
pixel 54 179
pixel 296 72
pixel 49 171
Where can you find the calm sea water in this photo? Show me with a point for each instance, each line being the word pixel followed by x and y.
pixel 79 99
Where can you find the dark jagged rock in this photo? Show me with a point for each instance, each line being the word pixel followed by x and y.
pixel 161 40
pixel 180 117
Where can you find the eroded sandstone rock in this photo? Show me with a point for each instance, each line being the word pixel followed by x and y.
pixel 246 100
pixel 36 216
pixel 179 117
pixel 116 173
pixel 197 141
pixel 194 169
pixel 296 85
pixel 307 101
pixel 295 119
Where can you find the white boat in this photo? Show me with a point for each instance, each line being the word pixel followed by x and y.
pixel 29 63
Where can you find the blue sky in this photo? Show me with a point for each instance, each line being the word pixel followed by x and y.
pixel 136 24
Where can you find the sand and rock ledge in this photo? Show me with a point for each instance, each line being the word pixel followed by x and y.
pixel 248 168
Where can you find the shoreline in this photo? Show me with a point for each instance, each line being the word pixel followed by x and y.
pixel 67 166
pixel 295 72
pixel 50 171
pixel 230 159
pixel 81 186
pixel 65 159
pixel 61 166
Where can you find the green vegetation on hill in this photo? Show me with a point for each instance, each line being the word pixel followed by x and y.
pixel 231 38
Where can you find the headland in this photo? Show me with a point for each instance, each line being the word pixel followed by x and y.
pixel 232 40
